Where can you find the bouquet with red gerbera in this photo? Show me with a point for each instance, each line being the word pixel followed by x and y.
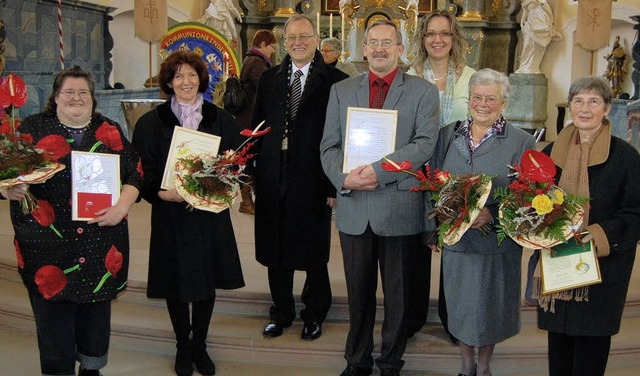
pixel 212 182
pixel 534 212
pixel 457 199
pixel 21 162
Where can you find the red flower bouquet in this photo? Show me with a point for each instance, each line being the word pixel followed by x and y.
pixel 458 200
pixel 21 162
pixel 212 182
pixel 534 212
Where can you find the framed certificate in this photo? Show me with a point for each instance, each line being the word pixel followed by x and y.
pixel 371 135
pixel 187 142
pixel 95 183
pixel 569 265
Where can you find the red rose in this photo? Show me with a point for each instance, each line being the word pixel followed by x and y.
pixel 13 92
pixel 50 280
pixel 54 146
pixel 113 261
pixel 5 128
pixel 108 134
pixel 18 254
pixel 27 137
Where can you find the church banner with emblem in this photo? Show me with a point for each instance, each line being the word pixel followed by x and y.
pixel 150 20
pixel 594 24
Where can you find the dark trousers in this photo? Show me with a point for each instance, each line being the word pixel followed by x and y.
pixel 316 295
pixel 184 325
pixel 68 332
pixel 419 291
pixel 577 355
pixel 362 254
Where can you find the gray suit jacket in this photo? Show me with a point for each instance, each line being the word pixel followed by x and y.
pixel 391 209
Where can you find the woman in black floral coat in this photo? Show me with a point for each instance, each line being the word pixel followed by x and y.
pixel 73 269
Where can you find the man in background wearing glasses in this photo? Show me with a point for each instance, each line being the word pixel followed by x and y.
pixel 294 198
pixel 379 219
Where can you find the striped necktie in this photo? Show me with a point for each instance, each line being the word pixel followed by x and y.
pixel 296 93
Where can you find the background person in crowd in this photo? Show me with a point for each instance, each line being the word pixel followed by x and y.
pixel 438 54
pixel 293 196
pixel 331 48
pixel 74 322
pixel 481 278
pixel 192 252
pixel 379 219
pixel 258 60
pixel 591 162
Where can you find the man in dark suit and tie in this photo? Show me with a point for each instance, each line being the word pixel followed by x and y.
pixel 379 219
pixel 293 195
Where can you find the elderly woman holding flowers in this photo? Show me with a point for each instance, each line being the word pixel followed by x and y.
pixel 192 252
pixel 73 269
pixel 591 162
pixel 481 278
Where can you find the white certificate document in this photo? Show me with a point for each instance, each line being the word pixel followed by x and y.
pixel 569 265
pixel 371 135
pixel 95 183
pixel 187 142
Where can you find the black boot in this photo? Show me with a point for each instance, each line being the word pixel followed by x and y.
pixel 179 314
pixel 201 317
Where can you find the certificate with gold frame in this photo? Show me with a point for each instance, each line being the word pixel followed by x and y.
pixel 370 136
pixel 186 142
pixel 568 266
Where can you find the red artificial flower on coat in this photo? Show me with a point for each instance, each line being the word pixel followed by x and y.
pixel 18 254
pixel 113 263
pixel 108 134
pixel 50 280
pixel 54 146
pixel 44 215
pixel 13 92
pixel 139 168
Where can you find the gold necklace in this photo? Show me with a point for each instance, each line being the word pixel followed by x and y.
pixel 440 78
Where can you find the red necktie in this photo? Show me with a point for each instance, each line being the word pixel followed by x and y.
pixel 378 100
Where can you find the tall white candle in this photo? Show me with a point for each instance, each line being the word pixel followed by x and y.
pixel 318 23
pixel 342 30
pixel 330 25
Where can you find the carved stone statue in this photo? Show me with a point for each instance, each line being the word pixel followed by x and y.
pixel 538 30
pixel 616 69
pixel 221 15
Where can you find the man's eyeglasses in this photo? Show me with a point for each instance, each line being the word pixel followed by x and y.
pixel 302 38
pixel 70 93
pixel 591 103
pixel 385 44
pixel 442 35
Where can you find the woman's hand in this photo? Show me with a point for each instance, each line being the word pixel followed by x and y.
pixel 170 195
pixel 17 192
pixel 483 218
pixel 113 215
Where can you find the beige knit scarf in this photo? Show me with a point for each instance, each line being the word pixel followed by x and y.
pixel 574 180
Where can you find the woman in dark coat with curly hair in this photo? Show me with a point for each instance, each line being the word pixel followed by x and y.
pixel 192 252
pixel 73 277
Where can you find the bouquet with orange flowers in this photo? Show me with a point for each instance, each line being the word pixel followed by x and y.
pixel 212 182
pixel 534 212
pixel 21 162
pixel 457 199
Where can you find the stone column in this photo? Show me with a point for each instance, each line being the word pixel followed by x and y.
pixel 473 10
pixel 528 101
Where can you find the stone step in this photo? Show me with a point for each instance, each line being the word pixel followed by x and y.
pixel 238 339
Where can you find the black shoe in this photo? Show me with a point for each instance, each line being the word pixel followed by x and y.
pixel 356 371
pixel 311 330
pixel 475 369
pixel 88 372
pixel 274 329
pixel 203 362
pixel 389 372
pixel 184 362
